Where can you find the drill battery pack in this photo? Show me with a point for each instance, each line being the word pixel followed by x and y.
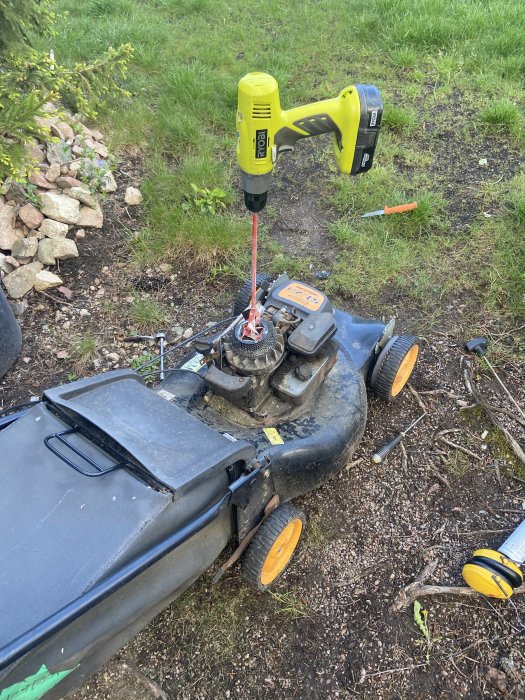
pixel 369 125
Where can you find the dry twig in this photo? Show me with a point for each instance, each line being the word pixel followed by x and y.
pixel 417 397
pixel 153 687
pixel 404 458
pixel 440 436
pixel 506 412
pixel 443 392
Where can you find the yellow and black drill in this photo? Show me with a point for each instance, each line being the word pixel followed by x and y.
pixel 265 130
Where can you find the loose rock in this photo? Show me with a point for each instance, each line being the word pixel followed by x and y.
pixel 65 181
pixel 53 172
pixel 187 333
pixel 91 218
pixel 8 233
pixel 52 249
pixel 54 229
pixel 133 196
pixel 4 265
pixel 46 280
pixel 25 248
pixel 19 307
pixel 109 183
pixel 16 193
pixel 67 132
pixel 40 181
pixel 60 208
pixel 83 195
pixel 34 152
pixel 21 281
pixel 80 234
pixel 30 215
pixel 58 152
pixel 97 147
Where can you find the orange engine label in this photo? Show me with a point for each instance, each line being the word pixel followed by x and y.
pixel 302 295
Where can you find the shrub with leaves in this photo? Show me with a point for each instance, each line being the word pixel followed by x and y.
pixel 29 78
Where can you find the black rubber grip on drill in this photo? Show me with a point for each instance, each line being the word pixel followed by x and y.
pixel 384 451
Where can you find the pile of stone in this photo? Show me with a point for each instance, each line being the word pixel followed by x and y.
pixel 42 218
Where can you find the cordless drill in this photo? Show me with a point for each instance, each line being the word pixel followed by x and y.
pixel 265 130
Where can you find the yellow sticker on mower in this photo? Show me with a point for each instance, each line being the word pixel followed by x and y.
pixel 302 295
pixel 273 436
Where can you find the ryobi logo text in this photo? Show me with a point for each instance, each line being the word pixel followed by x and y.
pixel 261 138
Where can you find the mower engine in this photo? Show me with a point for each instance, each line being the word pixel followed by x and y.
pixel 290 359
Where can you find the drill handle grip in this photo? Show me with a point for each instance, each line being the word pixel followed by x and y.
pixel 384 451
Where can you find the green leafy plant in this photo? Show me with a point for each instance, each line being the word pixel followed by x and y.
pixel 420 618
pixel 84 350
pixel 31 195
pixel 149 372
pixel 93 168
pixel 205 200
pixel 29 78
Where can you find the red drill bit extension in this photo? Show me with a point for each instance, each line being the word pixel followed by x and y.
pixel 252 327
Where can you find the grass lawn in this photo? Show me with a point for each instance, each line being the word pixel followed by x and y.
pixel 451 76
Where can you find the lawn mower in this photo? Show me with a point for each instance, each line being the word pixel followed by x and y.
pixel 117 496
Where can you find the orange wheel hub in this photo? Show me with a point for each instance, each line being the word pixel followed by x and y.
pixel 281 551
pixel 405 370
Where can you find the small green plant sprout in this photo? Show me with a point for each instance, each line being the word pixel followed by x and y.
pixel 420 618
pixel 204 200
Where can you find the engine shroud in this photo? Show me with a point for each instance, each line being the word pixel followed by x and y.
pixel 285 367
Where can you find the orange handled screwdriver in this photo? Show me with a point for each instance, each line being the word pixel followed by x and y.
pixel 391 210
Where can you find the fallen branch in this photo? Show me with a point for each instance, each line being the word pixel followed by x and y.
pixel 418 588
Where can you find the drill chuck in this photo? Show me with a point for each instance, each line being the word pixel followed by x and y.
pixel 255 188
pixel 255 202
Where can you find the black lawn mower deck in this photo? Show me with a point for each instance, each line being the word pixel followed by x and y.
pixel 115 497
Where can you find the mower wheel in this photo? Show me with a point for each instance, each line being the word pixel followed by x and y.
pixel 273 546
pixel 394 366
pixel 242 300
